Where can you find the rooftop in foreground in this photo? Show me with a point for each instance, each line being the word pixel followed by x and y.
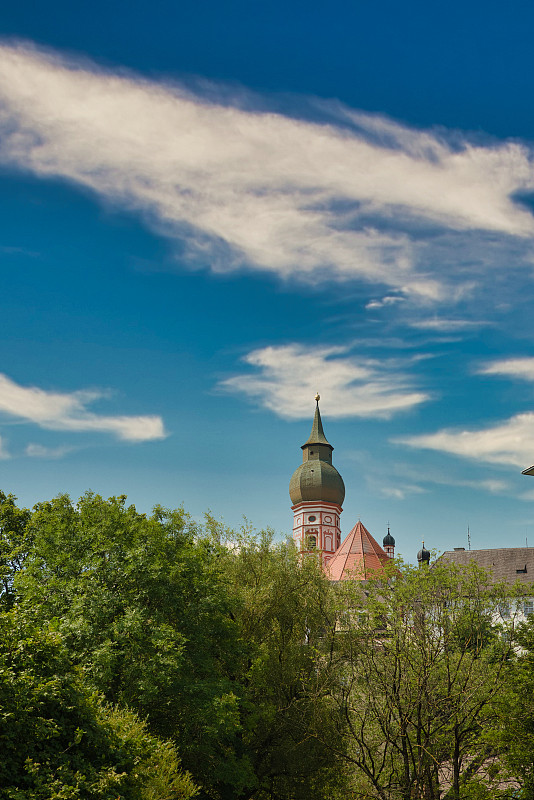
pixel 508 564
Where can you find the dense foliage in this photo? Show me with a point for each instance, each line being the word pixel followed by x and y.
pixel 128 640
pixel 59 740
pixel 422 663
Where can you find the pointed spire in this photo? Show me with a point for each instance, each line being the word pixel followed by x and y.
pixel 317 434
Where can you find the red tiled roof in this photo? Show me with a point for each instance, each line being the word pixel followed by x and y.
pixel 357 558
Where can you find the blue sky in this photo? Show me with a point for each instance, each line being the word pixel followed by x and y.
pixel 211 211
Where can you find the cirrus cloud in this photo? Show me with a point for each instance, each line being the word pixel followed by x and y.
pixel 448 325
pixel 519 368
pixel 61 411
pixel 354 196
pixel 40 451
pixel 510 443
pixel 289 376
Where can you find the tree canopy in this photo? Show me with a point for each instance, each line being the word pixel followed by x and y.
pixel 60 741
pixel 147 656
pixel 421 663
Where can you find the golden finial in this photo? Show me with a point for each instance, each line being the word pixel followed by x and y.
pixel 317 397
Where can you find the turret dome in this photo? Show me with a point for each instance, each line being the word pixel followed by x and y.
pixel 388 540
pixel 423 556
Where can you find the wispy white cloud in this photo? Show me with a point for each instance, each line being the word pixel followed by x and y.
pixel 442 478
pixel 491 485
pixel 448 325
pixel 39 451
pixel 59 411
pixel 388 300
pixel 511 442
pixel 256 189
pixel 399 492
pixel 290 375
pixel 520 368
pixel 406 479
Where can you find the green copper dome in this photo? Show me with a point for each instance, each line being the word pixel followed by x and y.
pixel 317 478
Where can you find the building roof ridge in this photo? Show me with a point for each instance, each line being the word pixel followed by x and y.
pixel 486 549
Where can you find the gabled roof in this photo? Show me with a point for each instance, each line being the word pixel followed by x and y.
pixel 508 564
pixel 359 557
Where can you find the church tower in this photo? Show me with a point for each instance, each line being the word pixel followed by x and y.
pixel 317 492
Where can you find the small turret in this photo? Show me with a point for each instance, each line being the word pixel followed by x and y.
pixel 423 556
pixel 389 544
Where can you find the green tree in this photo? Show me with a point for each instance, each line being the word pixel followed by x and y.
pixel 285 617
pixel 143 610
pixel 58 740
pixel 419 669
pixel 218 641
pixel 14 545
pixel 513 734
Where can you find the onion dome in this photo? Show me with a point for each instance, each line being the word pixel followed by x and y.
pixel 316 478
pixel 423 556
pixel 388 540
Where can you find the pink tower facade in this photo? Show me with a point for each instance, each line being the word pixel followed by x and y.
pixel 317 492
pixel 316 527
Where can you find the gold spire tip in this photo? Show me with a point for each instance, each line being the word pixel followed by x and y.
pixel 317 397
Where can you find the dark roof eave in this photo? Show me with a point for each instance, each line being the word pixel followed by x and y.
pixel 316 442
